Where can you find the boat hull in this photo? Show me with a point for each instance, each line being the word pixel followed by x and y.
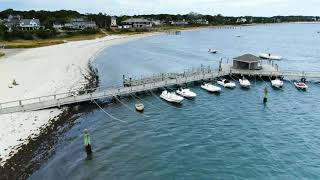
pixel 186 94
pixel 139 107
pixel 301 86
pixel 171 97
pixel 211 88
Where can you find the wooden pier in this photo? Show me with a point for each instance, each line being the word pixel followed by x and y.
pixel 142 85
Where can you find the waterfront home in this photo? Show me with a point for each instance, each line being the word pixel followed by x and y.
pixel 113 23
pixel 80 23
pixel 242 20
pixel 201 21
pixel 24 24
pixel 137 23
pixel 29 24
pixel 57 26
pixel 179 23
pixel 246 62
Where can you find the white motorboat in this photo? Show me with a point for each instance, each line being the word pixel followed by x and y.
pixel 213 51
pixel 277 83
pixel 187 93
pixel 269 56
pixel 245 83
pixel 171 97
pixel 301 85
pixel 226 83
pixel 211 88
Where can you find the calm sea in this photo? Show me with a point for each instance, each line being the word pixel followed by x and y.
pixel 228 136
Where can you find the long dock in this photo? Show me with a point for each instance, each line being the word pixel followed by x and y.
pixel 142 85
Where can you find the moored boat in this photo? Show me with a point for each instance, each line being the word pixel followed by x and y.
pixel 245 83
pixel 187 93
pixel 171 97
pixel 211 88
pixel 226 83
pixel 301 84
pixel 277 83
pixel 270 56
pixel 213 51
pixel 139 107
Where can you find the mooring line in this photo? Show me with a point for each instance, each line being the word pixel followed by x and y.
pixel 264 81
pixel 129 107
pixel 111 116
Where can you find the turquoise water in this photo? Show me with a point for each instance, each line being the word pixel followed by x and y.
pixel 228 136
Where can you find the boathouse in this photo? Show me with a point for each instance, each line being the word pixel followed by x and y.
pixel 246 62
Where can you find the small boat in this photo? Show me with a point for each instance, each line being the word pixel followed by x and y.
pixel 171 97
pixel 245 83
pixel 277 83
pixel 213 51
pixel 269 56
pixel 238 36
pixel 139 107
pixel 211 88
pixel 301 85
pixel 226 83
pixel 186 93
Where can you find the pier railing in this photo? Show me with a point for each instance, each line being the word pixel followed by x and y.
pixel 137 85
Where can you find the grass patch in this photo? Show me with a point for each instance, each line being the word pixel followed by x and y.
pixel 47 42
pixel 1 54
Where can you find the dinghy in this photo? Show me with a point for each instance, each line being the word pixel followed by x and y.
pixel 245 83
pixel 171 97
pixel 186 93
pixel 301 85
pixel 277 83
pixel 211 88
pixel 139 107
pixel 269 56
pixel 213 51
pixel 226 83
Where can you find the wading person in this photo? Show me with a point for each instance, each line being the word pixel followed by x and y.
pixel 265 99
pixel 87 142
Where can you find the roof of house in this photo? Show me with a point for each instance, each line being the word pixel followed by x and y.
pixel 247 58
pixel 136 20
pixel 28 21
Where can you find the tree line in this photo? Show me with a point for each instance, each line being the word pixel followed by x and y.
pixel 47 18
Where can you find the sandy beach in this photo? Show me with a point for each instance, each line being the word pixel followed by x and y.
pixel 40 72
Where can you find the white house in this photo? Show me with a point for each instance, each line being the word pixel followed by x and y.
pixel 113 22
pixel 80 23
pixel 29 24
pixel 241 20
pixel 179 23
pixel 137 23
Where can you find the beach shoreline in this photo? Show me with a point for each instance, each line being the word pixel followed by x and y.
pixel 24 131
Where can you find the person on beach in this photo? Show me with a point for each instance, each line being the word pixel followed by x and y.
pixel 87 142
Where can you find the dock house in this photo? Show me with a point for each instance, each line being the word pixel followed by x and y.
pixel 247 62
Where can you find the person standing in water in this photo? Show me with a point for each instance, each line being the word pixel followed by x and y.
pixel 265 99
pixel 87 142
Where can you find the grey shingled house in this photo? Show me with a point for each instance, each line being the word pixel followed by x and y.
pixel 246 62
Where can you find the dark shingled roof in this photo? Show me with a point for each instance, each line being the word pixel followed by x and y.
pixel 247 58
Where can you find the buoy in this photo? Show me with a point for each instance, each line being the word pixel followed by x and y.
pixel 87 142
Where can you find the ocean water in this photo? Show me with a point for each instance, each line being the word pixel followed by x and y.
pixel 228 136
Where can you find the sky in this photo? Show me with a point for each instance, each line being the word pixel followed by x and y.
pixel 136 7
